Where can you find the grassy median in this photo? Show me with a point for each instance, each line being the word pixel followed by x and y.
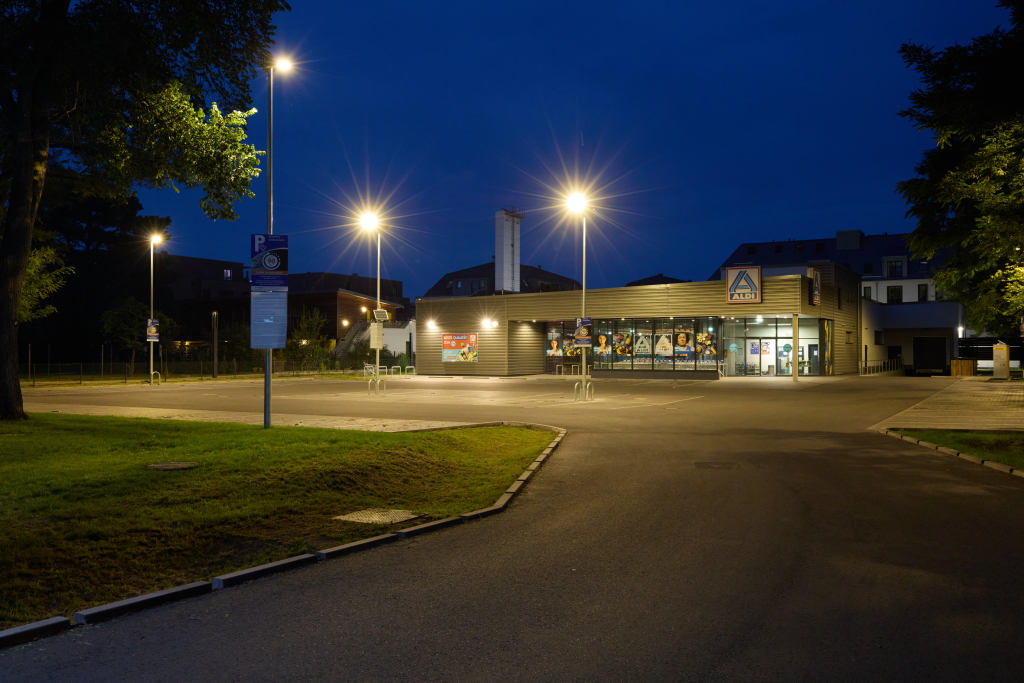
pixel 1004 447
pixel 83 522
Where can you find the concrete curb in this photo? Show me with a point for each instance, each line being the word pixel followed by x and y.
pixel 48 627
pixel 355 546
pixel 241 576
pixel 37 629
pixel 998 466
pixel 428 527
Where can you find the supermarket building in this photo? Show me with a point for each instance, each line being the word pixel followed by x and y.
pixel 739 326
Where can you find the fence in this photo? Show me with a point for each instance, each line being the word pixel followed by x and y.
pixel 980 348
pixel 891 367
pixel 80 373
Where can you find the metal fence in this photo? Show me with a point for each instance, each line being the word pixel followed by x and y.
pixel 893 366
pixel 980 348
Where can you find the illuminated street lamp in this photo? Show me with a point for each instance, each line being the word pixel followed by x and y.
pixel 577 204
pixel 371 224
pixel 153 241
pixel 280 65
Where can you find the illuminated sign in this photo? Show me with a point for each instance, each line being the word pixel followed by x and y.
pixel 743 285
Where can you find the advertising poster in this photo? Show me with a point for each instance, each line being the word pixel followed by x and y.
pixel 643 345
pixel 706 343
pixel 684 342
pixel 553 345
pixel 152 335
pixel 458 348
pixel 583 328
pixel 755 348
pixel 569 342
pixel 602 344
pixel 663 347
pixel 766 348
pixel 269 263
pixel 622 342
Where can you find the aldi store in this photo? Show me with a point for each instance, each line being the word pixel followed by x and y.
pixel 741 326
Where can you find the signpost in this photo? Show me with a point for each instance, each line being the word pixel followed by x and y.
pixel 584 326
pixel 268 286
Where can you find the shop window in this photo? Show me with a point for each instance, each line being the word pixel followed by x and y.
pixel 798 249
pixel 622 345
pixel 751 251
pixel 894 294
pixel 867 292
pixel 664 346
pixel 684 344
pixel 706 350
pixel 603 345
pixel 869 268
pixel 922 292
pixel 643 345
pixel 819 248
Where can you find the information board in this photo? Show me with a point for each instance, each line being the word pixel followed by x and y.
pixel 152 333
pixel 583 332
pixel 269 326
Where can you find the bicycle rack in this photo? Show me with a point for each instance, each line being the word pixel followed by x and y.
pixel 372 390
pixel 577 392
pixel 159 379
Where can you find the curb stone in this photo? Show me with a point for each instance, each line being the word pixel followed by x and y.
pixel 54 625
pixel 37 629
pixel 94 615
pixel 972 458
pixel 243 575
pixel 998 466
pixel 947 451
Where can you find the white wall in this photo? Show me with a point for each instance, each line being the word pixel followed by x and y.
pixel 395 338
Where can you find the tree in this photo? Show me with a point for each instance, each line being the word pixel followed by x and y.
pixel 125 326
pixel 306 345
pixel 44 276
pixel 968 196
pixel 99 97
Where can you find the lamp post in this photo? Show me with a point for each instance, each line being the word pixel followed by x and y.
pixel 577 203
pixel 371 224
pixel 281 65
pixel 153 241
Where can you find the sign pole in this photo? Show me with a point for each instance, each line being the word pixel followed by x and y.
pixel 267 359
pixel 583 312
pixel 795 358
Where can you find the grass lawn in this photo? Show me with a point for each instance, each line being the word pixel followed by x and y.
pixel 1004 447
pixel 83 522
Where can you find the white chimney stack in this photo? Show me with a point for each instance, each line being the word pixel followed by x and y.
pixel 506 248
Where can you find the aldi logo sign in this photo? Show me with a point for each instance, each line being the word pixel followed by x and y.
pixel 815 286
pixel 743 285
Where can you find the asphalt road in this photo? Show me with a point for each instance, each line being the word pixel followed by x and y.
pixel 738 530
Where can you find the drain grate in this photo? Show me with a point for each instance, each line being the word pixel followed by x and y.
pixel 717 465
pixel 379 516
pixel 172 466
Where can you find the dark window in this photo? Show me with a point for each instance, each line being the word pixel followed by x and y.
pixel 879 339
pixel 901 242
pixel 939 294
pixel 922 292
pixel 206 294
pixel 798 249
pixel 924 266
pixel 894 269
pixel 483 285
pixel 869 267
pixel 459 284
pixel 819 248
pixel 751 251
pixel 849 337
pixel 227 274
pixel 225 294
pixel 449 284
pixel 778 248
pixel 894 294
pixel 867 292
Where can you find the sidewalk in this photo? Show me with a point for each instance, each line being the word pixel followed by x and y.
pixel 967 404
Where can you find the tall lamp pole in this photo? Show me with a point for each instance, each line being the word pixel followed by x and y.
pixel 370 223
pixel 282 65
pixel 153 241
pixel 577 203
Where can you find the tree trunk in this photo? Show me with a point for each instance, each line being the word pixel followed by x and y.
pixel 28 119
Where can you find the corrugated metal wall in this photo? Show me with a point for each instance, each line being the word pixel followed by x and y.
pixel 517 348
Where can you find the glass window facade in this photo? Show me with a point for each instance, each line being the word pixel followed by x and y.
pixel 764 347
pixel 662 344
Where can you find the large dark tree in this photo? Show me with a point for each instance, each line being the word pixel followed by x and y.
pixel 968 196
pixel 101 96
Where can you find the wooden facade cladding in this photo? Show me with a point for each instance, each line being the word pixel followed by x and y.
pixel 516 345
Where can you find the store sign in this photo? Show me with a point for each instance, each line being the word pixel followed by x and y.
pixel 815 276
pixel 152 334
pixel 583 330
pixel 458 348
pixel 269 263
pixel 743 285
pixel 269 322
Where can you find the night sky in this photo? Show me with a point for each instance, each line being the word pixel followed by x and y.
pixel 695 127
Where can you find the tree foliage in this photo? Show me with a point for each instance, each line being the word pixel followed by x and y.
pixel 99 97
pixel 45 275
pixel 968 196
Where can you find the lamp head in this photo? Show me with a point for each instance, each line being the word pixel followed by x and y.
pixel 156 239
pixel 577 203
pixel 282 65
pixel 368 221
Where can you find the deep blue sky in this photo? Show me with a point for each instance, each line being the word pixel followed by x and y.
pixel 701 126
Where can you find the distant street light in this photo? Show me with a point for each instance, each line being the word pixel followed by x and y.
pixel 371 224
pixel 153 241
pixel 577 204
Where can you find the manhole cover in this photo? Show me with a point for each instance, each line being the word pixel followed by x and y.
pixel 717 465
pixel 172 465
pixel 379 516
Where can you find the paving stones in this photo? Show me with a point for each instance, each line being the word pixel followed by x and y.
pixel 379 516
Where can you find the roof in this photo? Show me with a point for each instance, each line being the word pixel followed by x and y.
pixel 658 279
pixel 852 249
pixel 532 276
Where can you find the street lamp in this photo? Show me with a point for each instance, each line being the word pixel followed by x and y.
pixel 371 224
pixel 153 241
pixel 280 65
pixel 577 204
